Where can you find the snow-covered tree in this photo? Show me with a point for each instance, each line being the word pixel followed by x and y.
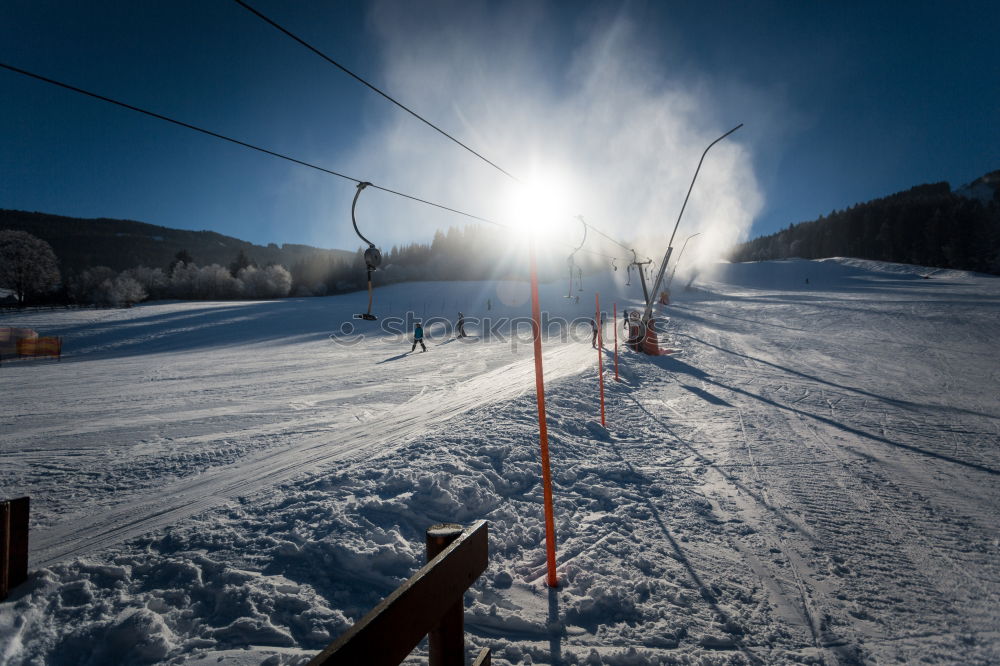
pixel 215 281
pixel 281 278
pixel 270 282
pixel 153 280
pixel 182 279
pixel 28 265
pixel 126 291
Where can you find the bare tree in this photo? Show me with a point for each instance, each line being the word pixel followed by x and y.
pixel 28 265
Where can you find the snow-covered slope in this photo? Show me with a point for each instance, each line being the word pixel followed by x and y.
pixel 813 479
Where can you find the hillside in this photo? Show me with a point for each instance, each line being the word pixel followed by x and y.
pixel 120 244
pixel 929 225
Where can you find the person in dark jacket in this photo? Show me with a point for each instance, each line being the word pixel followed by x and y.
pixel 418 337
pixel 460 326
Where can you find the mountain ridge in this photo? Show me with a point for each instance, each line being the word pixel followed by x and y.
pixel 81 243
pixel 926 225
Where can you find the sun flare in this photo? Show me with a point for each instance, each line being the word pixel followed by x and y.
pixel 539 205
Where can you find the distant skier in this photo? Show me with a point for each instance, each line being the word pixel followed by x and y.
pixel 460 326
pixel 634 330
pixel 418 336
pixel 625 320
pixel 489 304
pixel 593 326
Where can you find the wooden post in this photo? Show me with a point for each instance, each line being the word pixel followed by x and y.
pixel 13 544
pixel 390 631
pixel 4 549
pixel 446 641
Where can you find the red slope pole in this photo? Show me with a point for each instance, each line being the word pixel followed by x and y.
pixel 543 433
pixel 615 327
pixel 600 352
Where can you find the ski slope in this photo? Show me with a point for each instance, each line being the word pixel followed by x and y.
pixel 813 479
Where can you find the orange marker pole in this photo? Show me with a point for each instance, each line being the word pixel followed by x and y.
pixel 600 352
pixel 615 327
pixel 543 433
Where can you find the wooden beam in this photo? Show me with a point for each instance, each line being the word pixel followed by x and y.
pixel 387 634
pixel 13 544
pixel 18 541
pixel 446 641
pixel 4 549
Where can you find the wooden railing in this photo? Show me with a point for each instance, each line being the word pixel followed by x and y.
pixel 429 604
pixel 13 544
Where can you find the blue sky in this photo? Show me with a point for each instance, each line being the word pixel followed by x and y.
pixel 842 102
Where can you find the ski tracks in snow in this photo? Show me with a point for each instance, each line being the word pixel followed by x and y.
pixel 872 541
pixel 305 451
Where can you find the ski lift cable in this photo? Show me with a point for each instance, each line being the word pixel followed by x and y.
pixel 598 231
pixel 389 97
pixel 361 80
pixel 259 149
pixel 171 120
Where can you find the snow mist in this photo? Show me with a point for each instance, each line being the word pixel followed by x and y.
pixel 588 103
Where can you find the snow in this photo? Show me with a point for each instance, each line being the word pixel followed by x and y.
pixel 813 479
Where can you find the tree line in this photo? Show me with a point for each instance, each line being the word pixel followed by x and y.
pixel 29 269
pixel 473 252
pixel 469 253
pixel 928 225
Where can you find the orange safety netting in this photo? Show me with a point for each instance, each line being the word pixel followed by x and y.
pixel 9 337
pixel 47 346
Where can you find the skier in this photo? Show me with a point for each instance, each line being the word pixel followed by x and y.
pixel 460 326
pixel 593 340
pixel 418 336
pixel 634 330
pixel 489 305
pixel 625 320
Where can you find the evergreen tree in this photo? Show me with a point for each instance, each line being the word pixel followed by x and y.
pixel 242 261
pixel 181 257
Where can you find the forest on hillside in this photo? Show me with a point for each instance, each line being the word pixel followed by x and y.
pixel 469 253
pixel 81 243
pixel 473 252
pixel 927 225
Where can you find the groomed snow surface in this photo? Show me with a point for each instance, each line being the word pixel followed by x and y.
pixel 815 478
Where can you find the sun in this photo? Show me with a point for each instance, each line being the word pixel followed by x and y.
pixel 538 205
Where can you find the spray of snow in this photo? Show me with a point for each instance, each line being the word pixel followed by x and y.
pixel 591 105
